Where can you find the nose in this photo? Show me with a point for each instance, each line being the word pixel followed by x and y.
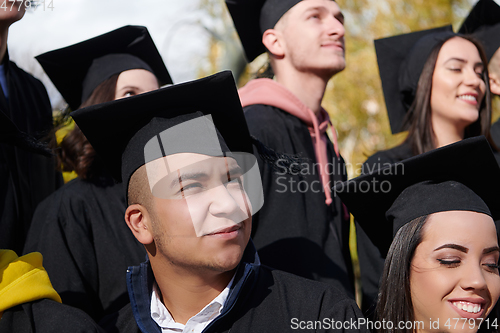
pixel 224 204
pixel 335 27
pixel 473 278
pixel 472 79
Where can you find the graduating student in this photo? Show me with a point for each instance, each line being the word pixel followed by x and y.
pixel 28 303
pixel 79 229
pixel 302 229
pixel 484 23
pixel 433 214
pixel 184 156
pixel 435 86
pixel 26 177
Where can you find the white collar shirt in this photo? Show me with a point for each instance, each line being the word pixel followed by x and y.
pixel 195 324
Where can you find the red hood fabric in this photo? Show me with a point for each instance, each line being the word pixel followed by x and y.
pixel 269 92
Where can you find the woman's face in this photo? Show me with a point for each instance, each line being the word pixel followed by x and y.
pixel 454 276
pixel 135 82
pixel 457 85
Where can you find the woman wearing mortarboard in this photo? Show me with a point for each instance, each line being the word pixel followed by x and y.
pixel 483 22
pixel 435 86
pixel 80 230
pixel 436 223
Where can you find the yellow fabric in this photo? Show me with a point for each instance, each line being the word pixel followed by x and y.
pixel 23 279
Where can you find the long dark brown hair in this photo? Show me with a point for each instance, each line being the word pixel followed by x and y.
pixel 75 151
pixel 394 303
pixel 418 119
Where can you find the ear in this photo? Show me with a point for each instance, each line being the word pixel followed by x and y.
pixel 273 41
pixel 495 84
pixel 139 222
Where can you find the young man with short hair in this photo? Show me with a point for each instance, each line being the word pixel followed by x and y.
pixel 302 228
pixel 192 186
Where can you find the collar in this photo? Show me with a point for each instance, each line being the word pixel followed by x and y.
pixel 140 282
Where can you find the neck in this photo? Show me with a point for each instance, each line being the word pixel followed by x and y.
pixel 308 87
pixel 4 32
pixel 184 292
pixel 446 133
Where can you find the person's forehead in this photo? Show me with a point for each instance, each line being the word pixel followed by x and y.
pixel 306 5
pixel 460 48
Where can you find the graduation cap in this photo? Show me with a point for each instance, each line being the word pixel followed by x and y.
pixel 253 17
pixel 76 70
pixel 203 118
pixel 484 23
pixel 401 60
pixel 119 130
pixel 461 176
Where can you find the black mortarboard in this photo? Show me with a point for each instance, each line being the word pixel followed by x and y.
pixel 120 129
pixel 253 17
pixel 401 60
pixel 460 176
pixel 76 70
pixel 484 23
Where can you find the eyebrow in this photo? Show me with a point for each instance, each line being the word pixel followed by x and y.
pixel 464 61
pixel 453 246
pixel 188 176
pixel 491 249
pixel 339 16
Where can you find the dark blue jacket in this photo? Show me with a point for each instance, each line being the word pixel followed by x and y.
pixel 260 300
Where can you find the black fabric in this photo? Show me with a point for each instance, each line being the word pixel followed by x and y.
pixel 26 177
pixel 483 22
pixel 371 260
pixel 68 67
pixel 46 316
pixel 104 67
pixel 401 60
pixel 296 231
pixel 216 95
pixel 267 301
pixel 459 162
pixel 253 17
pixel 86 244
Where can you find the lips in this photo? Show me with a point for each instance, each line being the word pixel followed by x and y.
pixel 469 98
pixel 468 306
pixel 225 230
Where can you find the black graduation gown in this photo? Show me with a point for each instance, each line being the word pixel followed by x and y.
pixel 86 244
pixel 295 231
pixel 261 300
pixel 46 316
pixel 26 178
pixel 371 261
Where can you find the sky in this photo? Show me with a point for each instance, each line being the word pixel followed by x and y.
pixel 176 26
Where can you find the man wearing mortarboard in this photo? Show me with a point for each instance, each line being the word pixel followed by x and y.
pixel 26 175
pixel 192 186
pixel 303 228
pixel 483 22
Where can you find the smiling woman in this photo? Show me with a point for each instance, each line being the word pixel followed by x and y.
pixel 436 224
pixel 435 85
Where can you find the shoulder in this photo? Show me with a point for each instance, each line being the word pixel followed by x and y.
pixel 26 78
pixel 46 315
pixel 122 321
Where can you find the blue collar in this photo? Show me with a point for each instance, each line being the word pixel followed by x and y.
pixel 140 285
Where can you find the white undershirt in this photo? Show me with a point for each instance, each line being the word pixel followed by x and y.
pixel 195 324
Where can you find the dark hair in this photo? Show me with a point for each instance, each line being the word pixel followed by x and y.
pixel 75 152
pixel 418 117
pixel 264 72
pixel 394 298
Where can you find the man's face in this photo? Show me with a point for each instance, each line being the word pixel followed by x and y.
pixel 202 215
pixel 313 37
